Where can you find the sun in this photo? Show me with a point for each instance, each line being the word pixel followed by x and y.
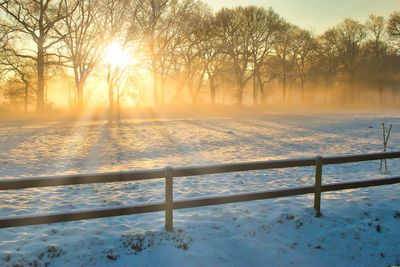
pixel 115 55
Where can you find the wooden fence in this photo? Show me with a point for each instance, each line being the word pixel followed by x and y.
pixel 170 173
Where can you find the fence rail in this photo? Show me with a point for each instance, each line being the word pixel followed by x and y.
pixel 169 173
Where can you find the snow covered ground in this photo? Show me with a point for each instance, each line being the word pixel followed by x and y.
pixel 358 227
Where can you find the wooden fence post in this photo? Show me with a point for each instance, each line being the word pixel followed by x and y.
pixel 169 199
pixel 318 184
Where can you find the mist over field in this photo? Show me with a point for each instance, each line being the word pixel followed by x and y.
pixel 81 56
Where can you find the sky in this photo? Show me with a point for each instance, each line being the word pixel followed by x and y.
pixel 318 15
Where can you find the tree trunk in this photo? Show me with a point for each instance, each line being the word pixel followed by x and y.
pixel 262 95
pixel 26 97
pixel 118 105
pixel 155 88
pixel 284 82
pixel 79 94
pixel 240 94
pixel 110 94
pixel 40 77
pixel 255 90
pixel 162 92
pixel 284 89
pixel 212 90
pixel 79 85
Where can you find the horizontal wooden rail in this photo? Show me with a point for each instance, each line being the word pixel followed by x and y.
pixel 360 158
pixel 244 166
pixel 235 198
pixel 26 220
pixel 22 183
pixel 169 173
pixel 360 184
pixel 129 176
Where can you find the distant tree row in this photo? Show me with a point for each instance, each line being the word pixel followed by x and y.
pixel 190 52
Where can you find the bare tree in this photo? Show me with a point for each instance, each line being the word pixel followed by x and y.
pixel 17 71
pixel 155 22
pixel 282 63
pixel 35 20
pixel 328 56
pixel 351 34
pixel 188 61
pixel 263 25
pixel 23 72
pixel 303 52
pixel 83 34
pixel 211 53
pixel 375 27
pixel 233 30
pixel 375 51
pixel 117 18
pixel 6 44
pixel 393 28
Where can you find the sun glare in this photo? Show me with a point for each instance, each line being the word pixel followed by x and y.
pixel 115 55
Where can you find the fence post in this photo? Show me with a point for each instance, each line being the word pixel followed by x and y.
pixel 318 184
pixel 169 199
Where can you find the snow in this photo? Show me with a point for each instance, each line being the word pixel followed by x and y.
pixel 358 227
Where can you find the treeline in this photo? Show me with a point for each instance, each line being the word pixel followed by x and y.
pixel 191 53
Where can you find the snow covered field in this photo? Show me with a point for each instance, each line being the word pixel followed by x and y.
pixel 358 227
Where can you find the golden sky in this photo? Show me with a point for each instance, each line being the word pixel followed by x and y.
pixel 318 15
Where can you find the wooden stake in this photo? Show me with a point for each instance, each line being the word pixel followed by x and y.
pixel 169 205
pixel 385 142
pixel 318 184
